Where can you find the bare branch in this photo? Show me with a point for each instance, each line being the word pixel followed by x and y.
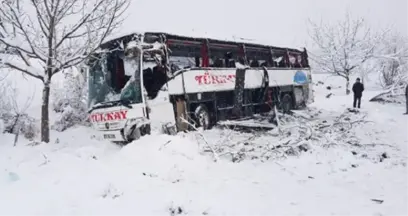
pixel 216 156
pixel 21 69
pixel 43 23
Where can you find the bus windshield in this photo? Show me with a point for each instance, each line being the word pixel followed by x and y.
pixel 114 77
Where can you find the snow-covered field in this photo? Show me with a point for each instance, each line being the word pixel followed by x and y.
pixel 78 174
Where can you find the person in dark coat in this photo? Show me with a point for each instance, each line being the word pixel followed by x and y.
pixel 406 100
pixel 358 89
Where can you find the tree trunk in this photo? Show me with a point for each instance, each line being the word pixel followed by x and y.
pixel 347 85
pixel 45 125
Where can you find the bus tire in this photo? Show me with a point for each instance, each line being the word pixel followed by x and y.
pixel 286 103
pixel 203 117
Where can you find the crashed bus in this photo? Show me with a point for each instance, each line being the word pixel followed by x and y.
pixel 159 82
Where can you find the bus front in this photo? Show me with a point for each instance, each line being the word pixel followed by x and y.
pixel 116 100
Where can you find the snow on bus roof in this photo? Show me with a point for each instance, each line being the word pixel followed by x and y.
pixel 197 35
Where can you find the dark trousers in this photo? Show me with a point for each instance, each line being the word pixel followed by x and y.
pixel 357 100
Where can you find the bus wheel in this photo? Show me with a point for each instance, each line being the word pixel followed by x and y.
pixel 286 103
pixel 203 117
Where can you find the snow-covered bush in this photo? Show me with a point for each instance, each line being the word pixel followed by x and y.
pixel 21 124
pixel 392 69
pixel 5 105
pixel 393 62
pixel 1 126
pixel 13 117
pixel 69 99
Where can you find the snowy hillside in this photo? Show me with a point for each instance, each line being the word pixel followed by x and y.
pixel 358 170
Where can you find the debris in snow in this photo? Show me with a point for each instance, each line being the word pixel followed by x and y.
pixel 46 160
pixel 164 145
pixel 329 95
pixel 176 181
pixel 35 143
pixel 383 156
pixel 176 210
pixel 394 95
pixel 377 201
pixel 216 156
pixel 149 174
pixel 300 132
pixel 111 192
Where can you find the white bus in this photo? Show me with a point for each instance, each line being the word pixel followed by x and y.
pixel 140 83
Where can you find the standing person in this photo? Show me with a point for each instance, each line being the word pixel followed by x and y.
pixel 406 100
pixel 358 89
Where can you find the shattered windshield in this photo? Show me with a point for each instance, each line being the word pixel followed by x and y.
pixel 114 77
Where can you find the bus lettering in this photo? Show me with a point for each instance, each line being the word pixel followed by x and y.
pixel 110 116
pixel 208 79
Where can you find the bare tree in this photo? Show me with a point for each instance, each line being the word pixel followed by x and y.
pixel 342 47
pixel 393 61
pixel 55 34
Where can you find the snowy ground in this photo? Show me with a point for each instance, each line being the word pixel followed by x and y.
pixel 78 174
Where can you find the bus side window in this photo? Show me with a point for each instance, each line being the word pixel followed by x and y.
pixel 258 57
pixel 254 63
pixel 184 56
pixel 224 55
pixel 298 63
pixel 278 58
pixel 218 63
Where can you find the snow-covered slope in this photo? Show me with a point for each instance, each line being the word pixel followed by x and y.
pixel 78 174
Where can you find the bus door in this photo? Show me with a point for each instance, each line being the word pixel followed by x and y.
pixel 161 112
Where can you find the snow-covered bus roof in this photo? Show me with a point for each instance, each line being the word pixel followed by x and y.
pixel 193 35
